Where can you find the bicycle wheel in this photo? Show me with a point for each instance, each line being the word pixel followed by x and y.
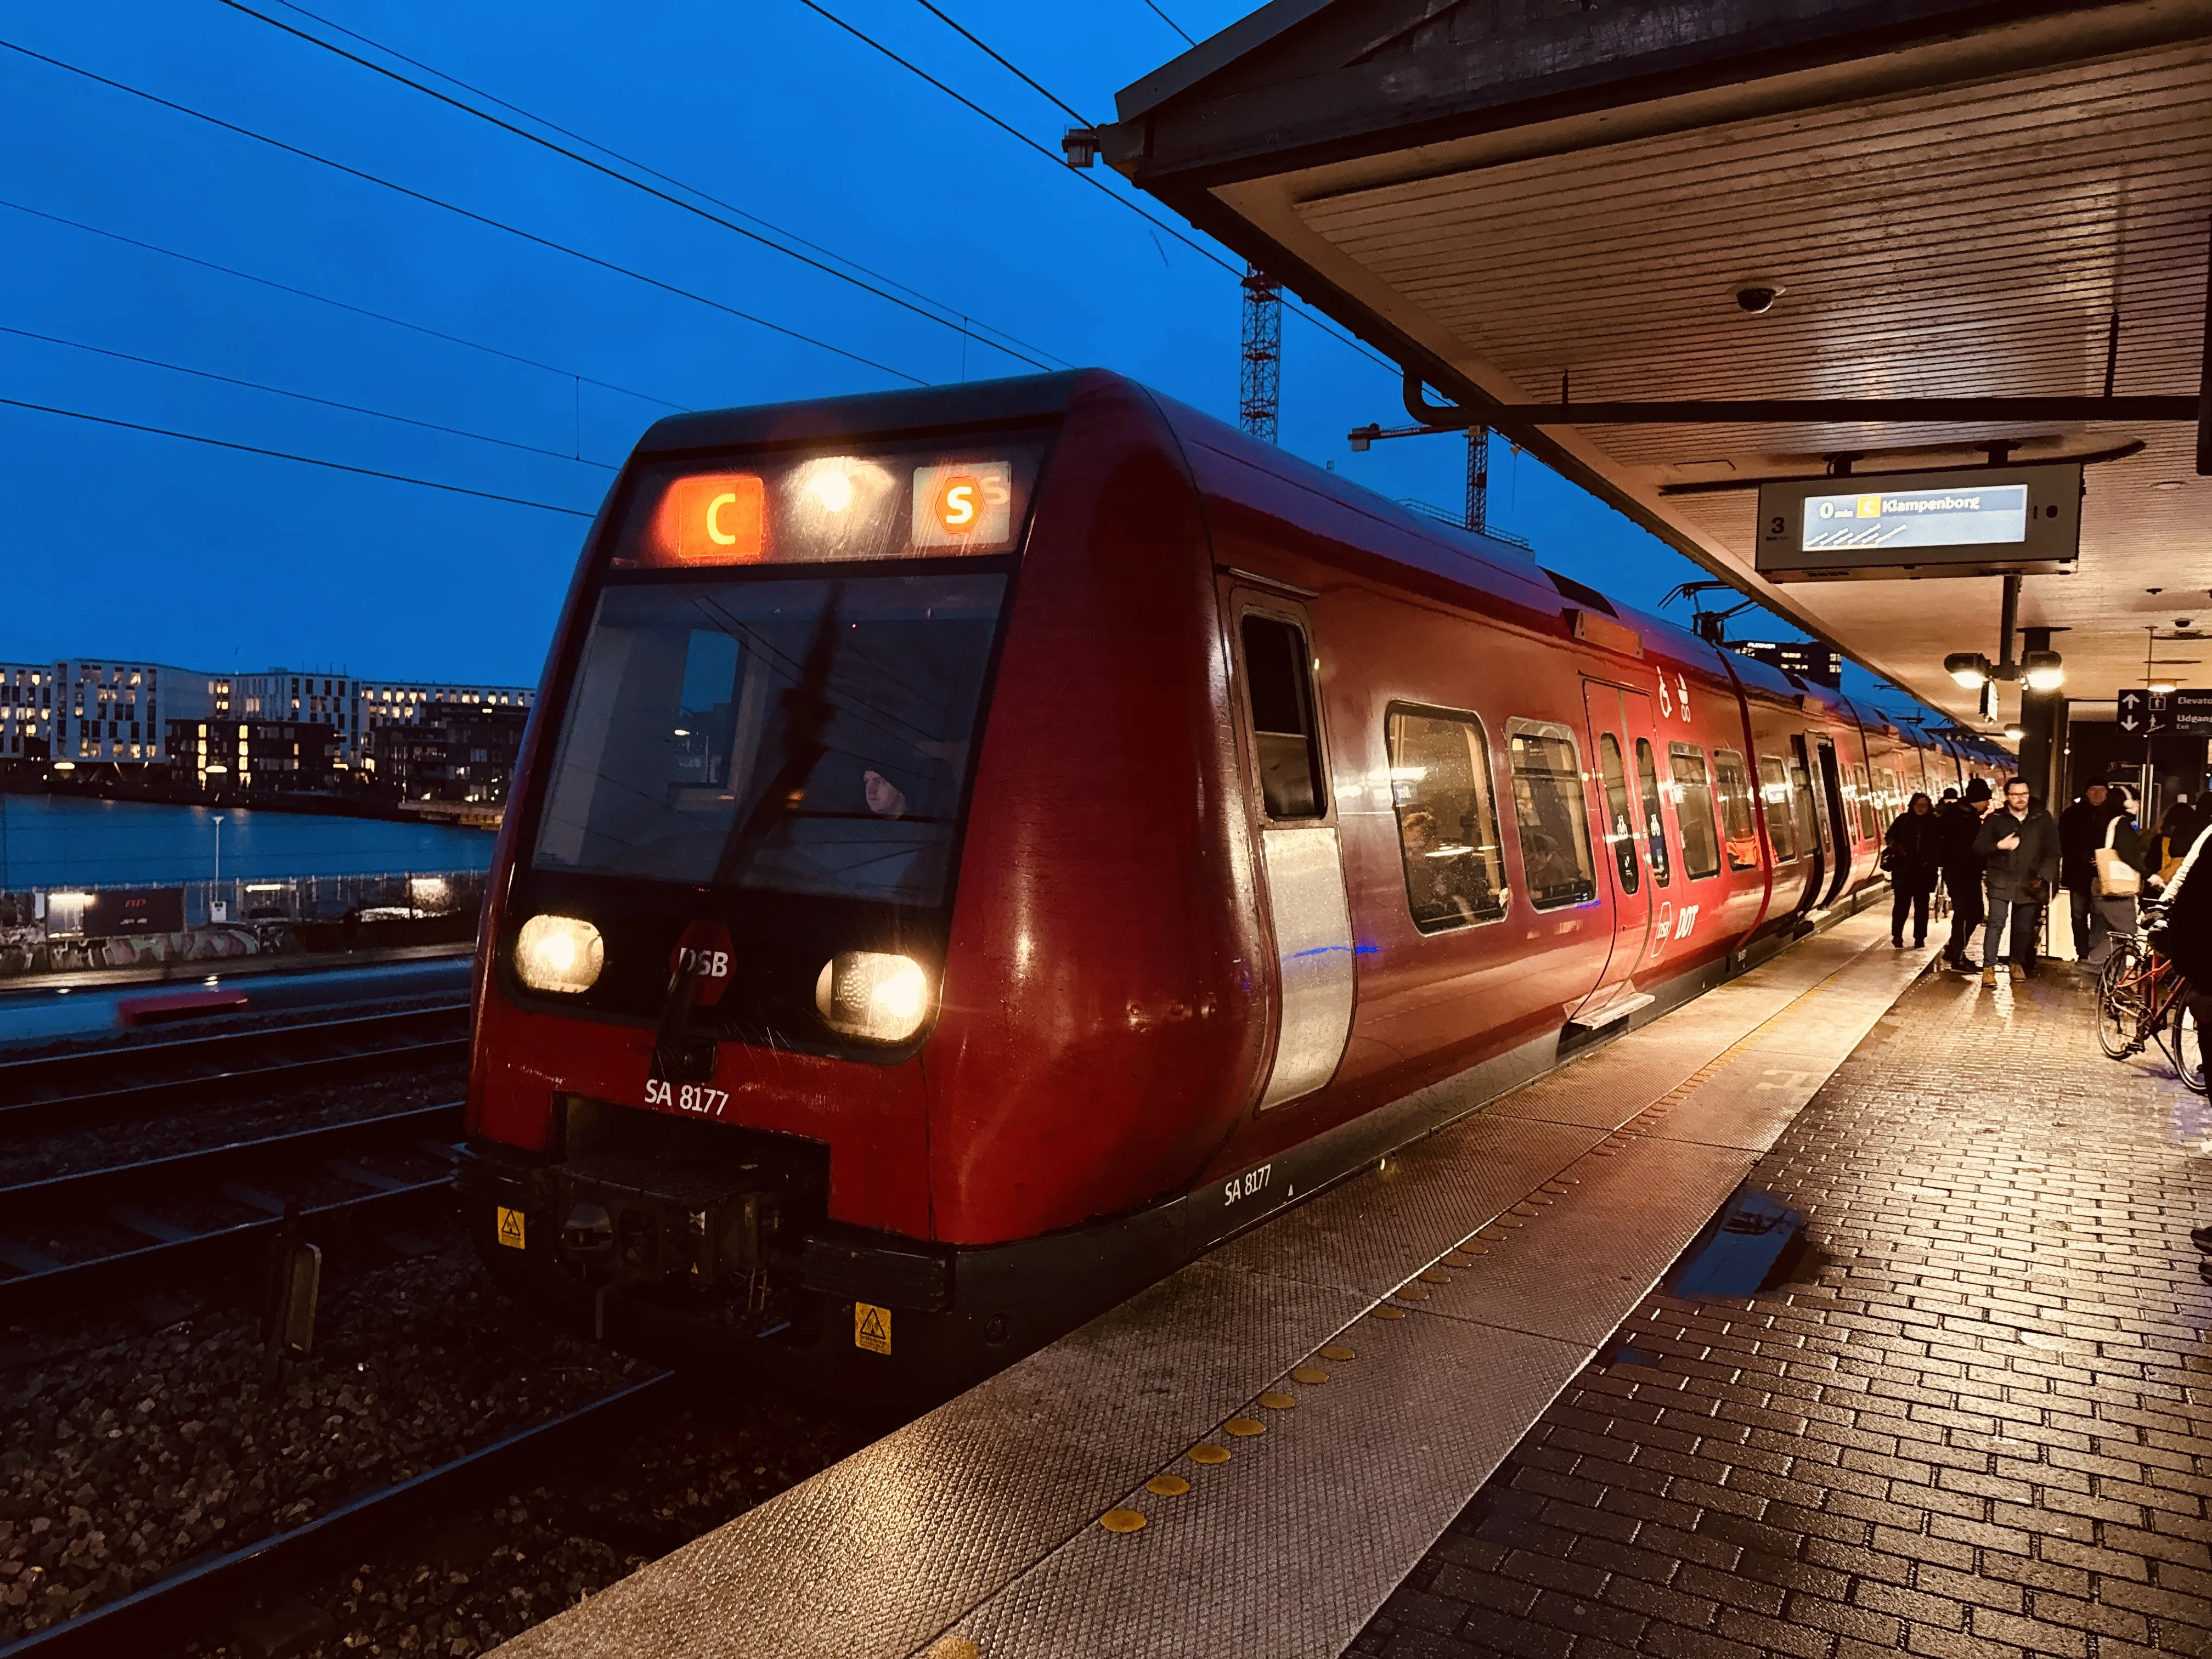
pixel 2185 1048
pixel 2122 986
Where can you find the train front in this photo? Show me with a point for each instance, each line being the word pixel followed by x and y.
pixel 718 1107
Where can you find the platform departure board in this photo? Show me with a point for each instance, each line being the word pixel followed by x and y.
pixel 1971 521
pixel 1918 517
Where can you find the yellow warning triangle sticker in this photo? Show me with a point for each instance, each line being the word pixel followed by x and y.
pixel 871 1328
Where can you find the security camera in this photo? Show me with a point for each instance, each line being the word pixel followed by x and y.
pixel 1758 297
pixel 2181 622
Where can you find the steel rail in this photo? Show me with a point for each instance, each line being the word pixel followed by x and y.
pixel 30 1116
pixel 163 1262
pixel 217 1045
pixel 104 1185
pixel 163 1614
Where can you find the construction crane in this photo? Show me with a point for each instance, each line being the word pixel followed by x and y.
pixel 1259 389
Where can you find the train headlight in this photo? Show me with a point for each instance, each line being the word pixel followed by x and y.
pixel 873 994
pixel 558 953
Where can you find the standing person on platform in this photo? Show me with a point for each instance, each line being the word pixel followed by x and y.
pixel 2081 832
pixel 2114 912
pixel 2184 938
pixel 2019 845
pixel 1911 852
pixel 2171 841
pixel 1957 823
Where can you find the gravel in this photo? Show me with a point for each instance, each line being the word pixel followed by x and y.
pixel 254 1114
pixel 490 1576
pixel 125 1460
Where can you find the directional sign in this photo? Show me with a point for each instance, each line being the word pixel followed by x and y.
pixel 2144 712
pixel 2189 712
pixel 2140 714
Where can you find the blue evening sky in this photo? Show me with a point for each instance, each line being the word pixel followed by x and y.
pixel 122 543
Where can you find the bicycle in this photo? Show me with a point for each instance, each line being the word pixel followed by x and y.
pixel 2141 999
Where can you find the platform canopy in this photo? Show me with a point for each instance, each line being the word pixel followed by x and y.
pixel 1536 203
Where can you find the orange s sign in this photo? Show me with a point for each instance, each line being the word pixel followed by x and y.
pixel 966 507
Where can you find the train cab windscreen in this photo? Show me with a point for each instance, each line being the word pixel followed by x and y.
pixel 785 669
pixel 807 736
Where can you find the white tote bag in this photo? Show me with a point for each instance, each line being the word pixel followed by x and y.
pixel 2116 876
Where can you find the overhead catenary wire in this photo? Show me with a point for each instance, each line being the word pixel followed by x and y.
pixel 470 214
pixel 1016 70
pixel 968 323
pixel 1015 132
pixel 305 397
pixel 287 455
pixel 602 168
pixel 1171 23
pixel 1005 63
pixel 341 305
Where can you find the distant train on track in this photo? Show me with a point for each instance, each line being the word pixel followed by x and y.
pixel 978 848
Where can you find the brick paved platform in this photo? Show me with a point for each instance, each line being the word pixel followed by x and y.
pixel 1979 1422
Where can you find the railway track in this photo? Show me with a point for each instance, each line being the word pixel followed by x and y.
pixel 96 1232
pixel 69 1091
pixel 202 1597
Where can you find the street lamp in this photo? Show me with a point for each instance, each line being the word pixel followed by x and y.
pixel 2046 671
pixel 217 910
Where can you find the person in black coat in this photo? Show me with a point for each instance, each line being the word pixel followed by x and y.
pixel 1912 854
pixel 2019 847
pixel 1957 823
pixel 2184 936
pixel 2081 832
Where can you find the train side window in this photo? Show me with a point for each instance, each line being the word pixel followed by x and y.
pixel 1811 819
pixel 1655 821
pixel 1869 814
pixel 1774 786
pixel 1549 812
pixel 1447 818
pixel 1694 811
pixel 1285 738
pixel 1620 822
pixel 1739 825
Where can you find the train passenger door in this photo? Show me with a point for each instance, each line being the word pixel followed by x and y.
pixel 1301 868
pixel 1619 719
pixel 1835 821
pixel 1812 818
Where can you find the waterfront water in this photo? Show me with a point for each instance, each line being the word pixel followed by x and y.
pixel 47 842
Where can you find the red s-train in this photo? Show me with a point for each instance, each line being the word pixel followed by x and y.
pixel 977 848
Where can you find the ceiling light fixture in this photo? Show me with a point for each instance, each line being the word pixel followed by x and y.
pixel 1971 669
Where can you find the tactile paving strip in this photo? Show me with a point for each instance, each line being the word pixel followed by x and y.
pixel 1275 1550
pixel 876 1553
pixel 982 1515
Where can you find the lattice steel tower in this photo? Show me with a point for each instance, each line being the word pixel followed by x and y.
pixel 1478 477
pixel 1259 388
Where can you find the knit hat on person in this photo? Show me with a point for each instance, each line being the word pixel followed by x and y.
pixel 1977 790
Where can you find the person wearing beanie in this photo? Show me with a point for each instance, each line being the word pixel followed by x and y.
pixel 1958 821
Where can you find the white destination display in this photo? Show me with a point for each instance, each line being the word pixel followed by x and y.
pixel 1948 521
pixel 1918 517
